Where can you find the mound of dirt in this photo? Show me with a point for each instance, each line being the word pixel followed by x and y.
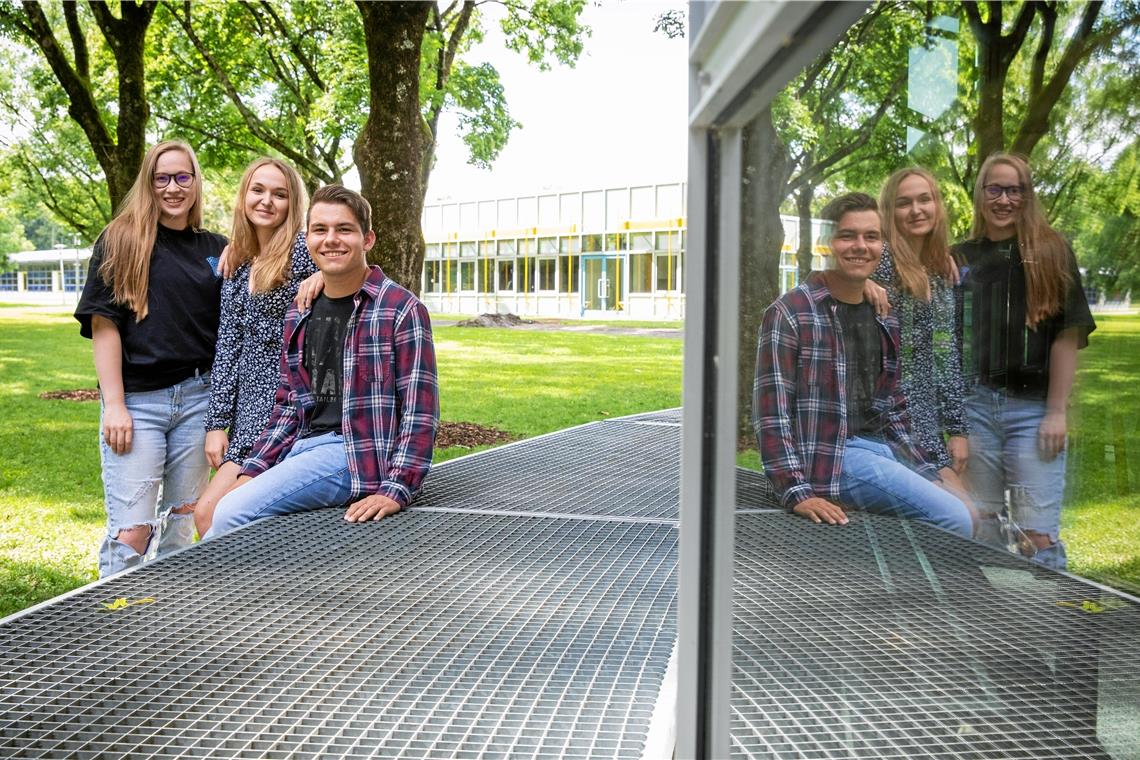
pixel 495 320
pixel 468 434
pixel 79 394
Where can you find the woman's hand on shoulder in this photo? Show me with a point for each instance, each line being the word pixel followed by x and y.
pixel 876 295
pixel 225 263
pixel 309 289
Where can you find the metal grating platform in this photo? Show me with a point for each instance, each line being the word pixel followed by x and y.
pixel 527 608
pixel 606 469
pixel 424 635
pixel 888 639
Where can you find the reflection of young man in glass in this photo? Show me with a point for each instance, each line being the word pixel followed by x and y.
pixel 831 423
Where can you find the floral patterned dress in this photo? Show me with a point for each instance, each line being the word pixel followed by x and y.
pixel 247 365
pixel 931 358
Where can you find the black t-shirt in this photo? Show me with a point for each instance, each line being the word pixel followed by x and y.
pixel 180 331
pixel 863 354
pixel 323 358
pixel 1001 351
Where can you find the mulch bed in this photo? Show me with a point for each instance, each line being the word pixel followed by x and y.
pixel 466 434
pixel 80 394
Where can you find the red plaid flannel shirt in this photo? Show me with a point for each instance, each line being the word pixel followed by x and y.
pixel 799 397
pixel 391 396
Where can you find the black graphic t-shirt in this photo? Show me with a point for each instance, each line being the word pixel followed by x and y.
pixel 323 358
pixel 864 358
pixel 1002 351
pixel 179 334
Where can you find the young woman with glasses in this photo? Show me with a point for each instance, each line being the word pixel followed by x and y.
pixel 269 260
pixel 1028 316
pixel 150 307
pixel 918 276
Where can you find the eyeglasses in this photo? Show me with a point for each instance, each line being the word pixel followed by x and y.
pixel 1013 192
pixel 182 179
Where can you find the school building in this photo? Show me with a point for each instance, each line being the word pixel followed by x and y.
pixel 610 253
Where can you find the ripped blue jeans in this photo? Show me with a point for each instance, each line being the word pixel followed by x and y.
pixel 1004 456
pixel 165 469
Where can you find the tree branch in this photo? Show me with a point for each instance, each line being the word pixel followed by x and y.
pixel 1044 45
pixel 294 46
pixel 255 124
pixel 78 41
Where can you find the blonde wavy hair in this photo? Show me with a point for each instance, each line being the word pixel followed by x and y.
pixel 1044 253
pixel 128 240
pixel 932 255
pixel 272 264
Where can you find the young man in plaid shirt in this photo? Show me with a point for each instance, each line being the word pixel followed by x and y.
pixel 356 414
pixel 832 426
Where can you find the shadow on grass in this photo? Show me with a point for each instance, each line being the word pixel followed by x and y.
pixel 29 583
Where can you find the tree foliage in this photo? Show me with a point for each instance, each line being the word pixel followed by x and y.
pixel 85 45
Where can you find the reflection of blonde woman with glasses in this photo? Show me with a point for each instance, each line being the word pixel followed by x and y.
pixel 1028 317
pixel 270 260
pixel 150 306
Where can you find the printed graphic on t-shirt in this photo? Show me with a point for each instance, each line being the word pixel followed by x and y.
pixel 323 357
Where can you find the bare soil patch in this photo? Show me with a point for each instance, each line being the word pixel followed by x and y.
pixel 495 320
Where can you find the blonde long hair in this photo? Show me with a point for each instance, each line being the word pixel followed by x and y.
pixel 270 266
pixel 933 255
pixel 1044 253
pixel 128 240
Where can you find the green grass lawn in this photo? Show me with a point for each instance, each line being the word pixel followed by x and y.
pixel 524 382
pixel 51 509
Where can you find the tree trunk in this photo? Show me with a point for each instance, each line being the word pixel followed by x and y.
pixel 392 145
pixel 804 199
pixel 761 239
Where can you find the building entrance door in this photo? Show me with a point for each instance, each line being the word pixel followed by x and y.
pixel 602 282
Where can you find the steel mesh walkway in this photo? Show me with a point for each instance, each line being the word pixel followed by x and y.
pixel 888 639
pixel 427 635
pixel 526 608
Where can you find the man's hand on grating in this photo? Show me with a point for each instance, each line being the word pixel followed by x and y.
pixel 371 507
pixel 820 510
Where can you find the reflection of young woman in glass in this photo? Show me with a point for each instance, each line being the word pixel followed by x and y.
pixel 918 274
pixel 1028 317
pixel 270 260
pixel 150 306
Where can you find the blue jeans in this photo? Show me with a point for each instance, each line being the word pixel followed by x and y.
pixel 873 480
pixel 1004 456
pixel 312 475
pixel 166 468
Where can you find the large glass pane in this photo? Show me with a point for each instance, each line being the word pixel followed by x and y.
pixel 506 274
pixel 432 280
pixel 546 270
pixel 640 272
pixel 525 273
pixel 668 273
pixel 486 275
pixel 568 274
pixel 467 275
pixel 967 164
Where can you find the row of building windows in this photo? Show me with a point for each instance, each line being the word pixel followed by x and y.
pixel 529 274
pixel 669 242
